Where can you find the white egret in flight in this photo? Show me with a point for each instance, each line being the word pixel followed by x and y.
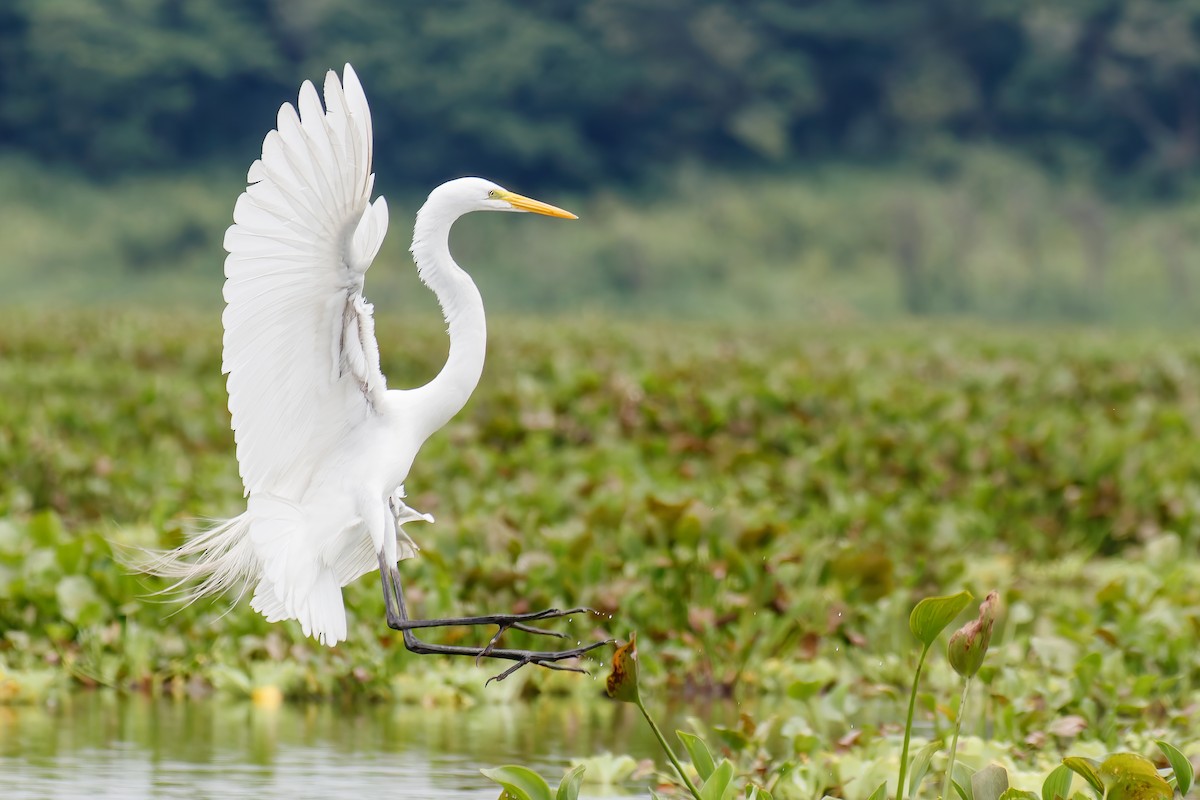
pixel 323 445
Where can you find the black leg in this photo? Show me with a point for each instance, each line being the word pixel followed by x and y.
pixel 398 619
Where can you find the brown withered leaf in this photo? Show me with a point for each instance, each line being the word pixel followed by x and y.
pixel 622 683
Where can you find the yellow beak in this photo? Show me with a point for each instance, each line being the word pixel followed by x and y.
pixel 536 206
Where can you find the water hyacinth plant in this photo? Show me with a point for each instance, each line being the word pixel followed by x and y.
pixel 742 756
pixel 966 650
pixel 764 509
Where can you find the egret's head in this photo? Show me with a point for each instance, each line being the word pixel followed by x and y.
pixel 476 194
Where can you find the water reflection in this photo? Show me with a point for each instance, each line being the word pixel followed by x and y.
pixel 101 745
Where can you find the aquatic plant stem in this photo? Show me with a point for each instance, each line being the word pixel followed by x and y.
pixel 912 706
pixel 667 748
pixel 962 705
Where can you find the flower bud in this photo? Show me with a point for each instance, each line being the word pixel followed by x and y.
pixel 969 644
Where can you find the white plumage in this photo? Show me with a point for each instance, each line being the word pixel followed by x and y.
pixel 323 446
pixel 299 341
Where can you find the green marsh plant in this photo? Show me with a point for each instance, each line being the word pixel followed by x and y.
pixel 966 651
pixel 929 618
pixel 1119 776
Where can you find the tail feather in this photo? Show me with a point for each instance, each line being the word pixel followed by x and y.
pixel 213 561
pixel 319 609
pixel 265 547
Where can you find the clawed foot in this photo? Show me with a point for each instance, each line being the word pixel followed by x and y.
pixel 550 659
pixel 504 622
pixel 398 619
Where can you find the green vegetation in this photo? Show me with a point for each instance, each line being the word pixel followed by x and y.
pixel 763 489
pixel 763 505
pixel 1004 160
pixel 973 233
pixel 591 91
pixel 747 766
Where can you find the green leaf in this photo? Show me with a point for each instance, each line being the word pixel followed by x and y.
pixel 702 759
pixel 714 788
pixel 1129 776
pixel 756 793
pixel 962 776
pixel 933 614
pixel 520 782
pixel 920 765
pixel 1180 765
pixel 880 792
pixel 568 787
pixel 734 738
pixel 989 783
pixel 1057 785
pixel 1086 767
pixel 802 690
pixel 1087 668
pixel 962 793
pixel 1018 794
pixel 77 599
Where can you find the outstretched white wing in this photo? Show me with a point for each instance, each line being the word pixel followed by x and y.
pixel 300 345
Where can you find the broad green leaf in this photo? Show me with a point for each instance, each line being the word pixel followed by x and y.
pixel 757 793
pixel 1018 794
pixel 962 776
pixel 1086 768
pixel 1129 776
pixel 622 682
pixel 520 782
pixel 734 738
pixel 933 614
pixel 880 792
pixel 1087 668
pixel 45 528
pixel 1057 785
pixel 568 787
pixel 702 759
pixel 962 793
pixel 1180 765
pixel 802 690
pixel 989 783
pixel 714 788
pixel 920 765
pixel 76 597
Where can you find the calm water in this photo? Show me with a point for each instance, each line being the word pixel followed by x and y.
pixel 98 745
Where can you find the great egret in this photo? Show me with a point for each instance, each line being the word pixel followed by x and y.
pixel 323 445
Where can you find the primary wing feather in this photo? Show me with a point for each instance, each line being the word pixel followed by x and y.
pixel 299 345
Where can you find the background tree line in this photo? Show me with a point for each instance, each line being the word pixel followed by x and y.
pixel 602 90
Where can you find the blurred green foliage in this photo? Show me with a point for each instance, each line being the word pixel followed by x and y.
pixel 583 92
pixel 968 233
pixel 761 505
pixel 849 158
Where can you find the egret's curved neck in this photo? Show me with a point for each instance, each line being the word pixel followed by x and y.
pixel 443 397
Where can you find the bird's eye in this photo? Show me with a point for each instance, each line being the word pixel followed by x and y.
pixel 493 194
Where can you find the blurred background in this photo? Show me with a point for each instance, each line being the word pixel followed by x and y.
pixel 850 159
pixel 869 300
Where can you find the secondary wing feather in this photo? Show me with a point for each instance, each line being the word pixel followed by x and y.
pixel 299 345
